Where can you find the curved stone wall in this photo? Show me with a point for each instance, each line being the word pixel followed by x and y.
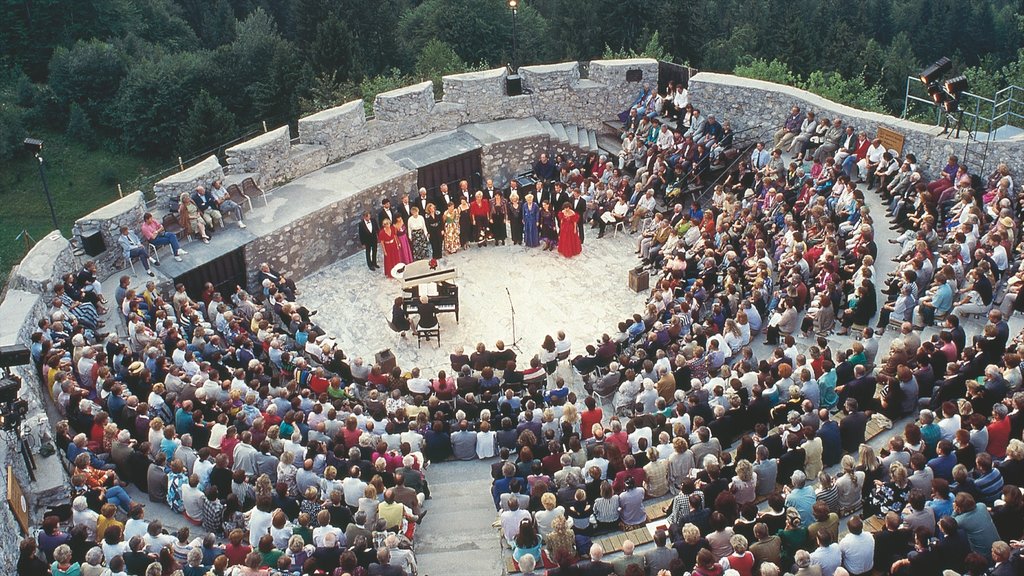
pixel 749 103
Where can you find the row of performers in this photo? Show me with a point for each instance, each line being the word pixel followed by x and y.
pixel 435 234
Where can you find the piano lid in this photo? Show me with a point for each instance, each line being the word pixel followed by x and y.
pixel 419 272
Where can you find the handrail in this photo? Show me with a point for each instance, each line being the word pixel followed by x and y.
pixel 728 169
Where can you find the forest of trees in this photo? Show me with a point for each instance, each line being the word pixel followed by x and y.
pixel 165 78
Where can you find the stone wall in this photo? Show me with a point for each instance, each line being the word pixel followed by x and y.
pixel 187 180
pixel 127 211
pixel 752 103
pixel 340 130
pixel 44 264
pixel 482 93
pixel 266 155
pixel 503 160
pixel 323 237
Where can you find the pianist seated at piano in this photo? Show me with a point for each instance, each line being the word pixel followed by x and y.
pixel 400 319
pixel 427 312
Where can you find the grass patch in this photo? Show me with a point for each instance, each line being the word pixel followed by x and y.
pixel 80 179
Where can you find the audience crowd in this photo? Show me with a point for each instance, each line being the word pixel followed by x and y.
pixel 239 413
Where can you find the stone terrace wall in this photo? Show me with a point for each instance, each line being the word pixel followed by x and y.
pixel 127 211
pixel 745 103
pixel 266 155
pixel 187 180
pixel 40 270
pixel 323 237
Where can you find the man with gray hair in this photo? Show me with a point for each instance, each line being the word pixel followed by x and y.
pixel 527 564
pixel 596 566
pixel 801 497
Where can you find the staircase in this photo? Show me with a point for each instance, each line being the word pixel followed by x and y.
pixel 571 139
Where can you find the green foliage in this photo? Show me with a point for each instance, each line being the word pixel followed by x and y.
pixel 89 75
pixel 325 91
pixel 652 49
pixel 80 128
pixel 436 60
pixel 12 129
pixel 157 94
pixel 209 123
pixel 852 91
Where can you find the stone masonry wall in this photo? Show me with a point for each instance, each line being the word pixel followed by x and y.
pixel 746 103
pixel 127 211
pixel 323 237
pixel 503 160
pixel 339 129
pixel 266 155
pixel 187 180
pixel 40 270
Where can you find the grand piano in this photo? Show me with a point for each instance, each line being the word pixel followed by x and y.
pixel 420 272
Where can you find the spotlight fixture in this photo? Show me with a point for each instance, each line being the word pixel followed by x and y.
pixel 956 86
pixel 513 4
pixel 951 106
pixel 936 70
pixel 935 93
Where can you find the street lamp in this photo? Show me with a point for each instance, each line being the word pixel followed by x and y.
pixel 514 5
pixel 36 147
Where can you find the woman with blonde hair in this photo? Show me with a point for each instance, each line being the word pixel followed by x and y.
pixel 850 486
pixel 655 475
pixel 546 517
pixel 892 495
pixel 190 218
pixel 561 541
pixel 744 485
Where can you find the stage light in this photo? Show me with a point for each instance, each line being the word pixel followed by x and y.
pixel 513 4
pixel 936 93
pixel 936 70
pixel 951 105
pixel 956 86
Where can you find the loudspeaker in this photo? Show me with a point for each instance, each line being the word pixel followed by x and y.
pixel 639 280
pixel 387 361
pixel 514 85
pixel 92 242
pixel 14 355
pixel 9 390
pixel 634 75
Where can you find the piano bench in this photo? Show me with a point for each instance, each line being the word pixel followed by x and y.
pixel 428 334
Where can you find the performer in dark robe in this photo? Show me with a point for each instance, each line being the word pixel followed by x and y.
pixel 499 211
pixel 548 226
pixel 435 228
pixel 514 208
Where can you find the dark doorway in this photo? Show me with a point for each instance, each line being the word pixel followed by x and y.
pixel 226 273
pixel 669 72
pixel 451 171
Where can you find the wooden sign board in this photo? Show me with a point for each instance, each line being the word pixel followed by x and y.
pixel 17 501
pixel 891 139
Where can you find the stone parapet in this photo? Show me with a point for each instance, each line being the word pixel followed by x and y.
pixel 266 155
pixel 749 103
pixel 201 174
pixel 550 77
pixel 482 93
pixel 40 270
pixel 127 211
pixel 339 129
pixel 410 101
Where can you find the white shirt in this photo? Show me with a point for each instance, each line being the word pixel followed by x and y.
pixel 259 524
pixel 858 552
pixel 562 345
pixel 353 489
pixel 828 558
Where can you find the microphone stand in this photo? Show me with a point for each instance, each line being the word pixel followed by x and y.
pixel 515 341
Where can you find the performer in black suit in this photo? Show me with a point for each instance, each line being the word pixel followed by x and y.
pixel 513 187
pixel 422 201
pixel 427 312
pixel 405 208
pixel 579 206
pixel 386 213
pixel 368 238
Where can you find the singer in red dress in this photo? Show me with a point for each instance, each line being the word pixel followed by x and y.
pixel 389 242
pixel 569 243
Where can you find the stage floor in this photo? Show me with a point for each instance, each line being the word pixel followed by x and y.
pixel 585 296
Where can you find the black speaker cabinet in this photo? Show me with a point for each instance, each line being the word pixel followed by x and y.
pixel 514 85
pixel 14 355
pixel 92 242
pixel 635 75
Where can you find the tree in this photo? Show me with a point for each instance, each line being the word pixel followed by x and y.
pixel 89 74
pixel 79 128
pixel 157 94
pixel 652 49
pixel 12 130
pixel 208 124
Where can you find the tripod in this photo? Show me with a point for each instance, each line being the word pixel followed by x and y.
pixel 515 341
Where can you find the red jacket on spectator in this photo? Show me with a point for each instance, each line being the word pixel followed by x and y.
pixel 998 438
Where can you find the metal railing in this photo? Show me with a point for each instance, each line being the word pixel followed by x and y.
pixel 985 115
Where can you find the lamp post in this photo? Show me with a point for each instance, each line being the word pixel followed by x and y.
pixel 36 147
pixel 514 5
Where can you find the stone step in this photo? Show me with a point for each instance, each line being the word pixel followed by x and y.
pixel 560 132
pixel 592 140
pixel 583 138
pixel 609 144
pixel 549 128
pixel 574 135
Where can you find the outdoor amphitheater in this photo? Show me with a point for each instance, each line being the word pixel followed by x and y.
pixel 303 190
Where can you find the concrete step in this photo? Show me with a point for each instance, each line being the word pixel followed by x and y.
pixel 583 138
pixel 612 127
pixel 549 128
pixel 574 135
pixel 592 140
pixel 609 144
pixel 560 132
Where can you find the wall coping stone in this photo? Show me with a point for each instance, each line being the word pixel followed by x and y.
pixel 115 208
pixel 35 272
pixel 194 172
pixel 491 74
pixel 406 91
pixel 337 111
pixel 15 309
pixel 259 141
